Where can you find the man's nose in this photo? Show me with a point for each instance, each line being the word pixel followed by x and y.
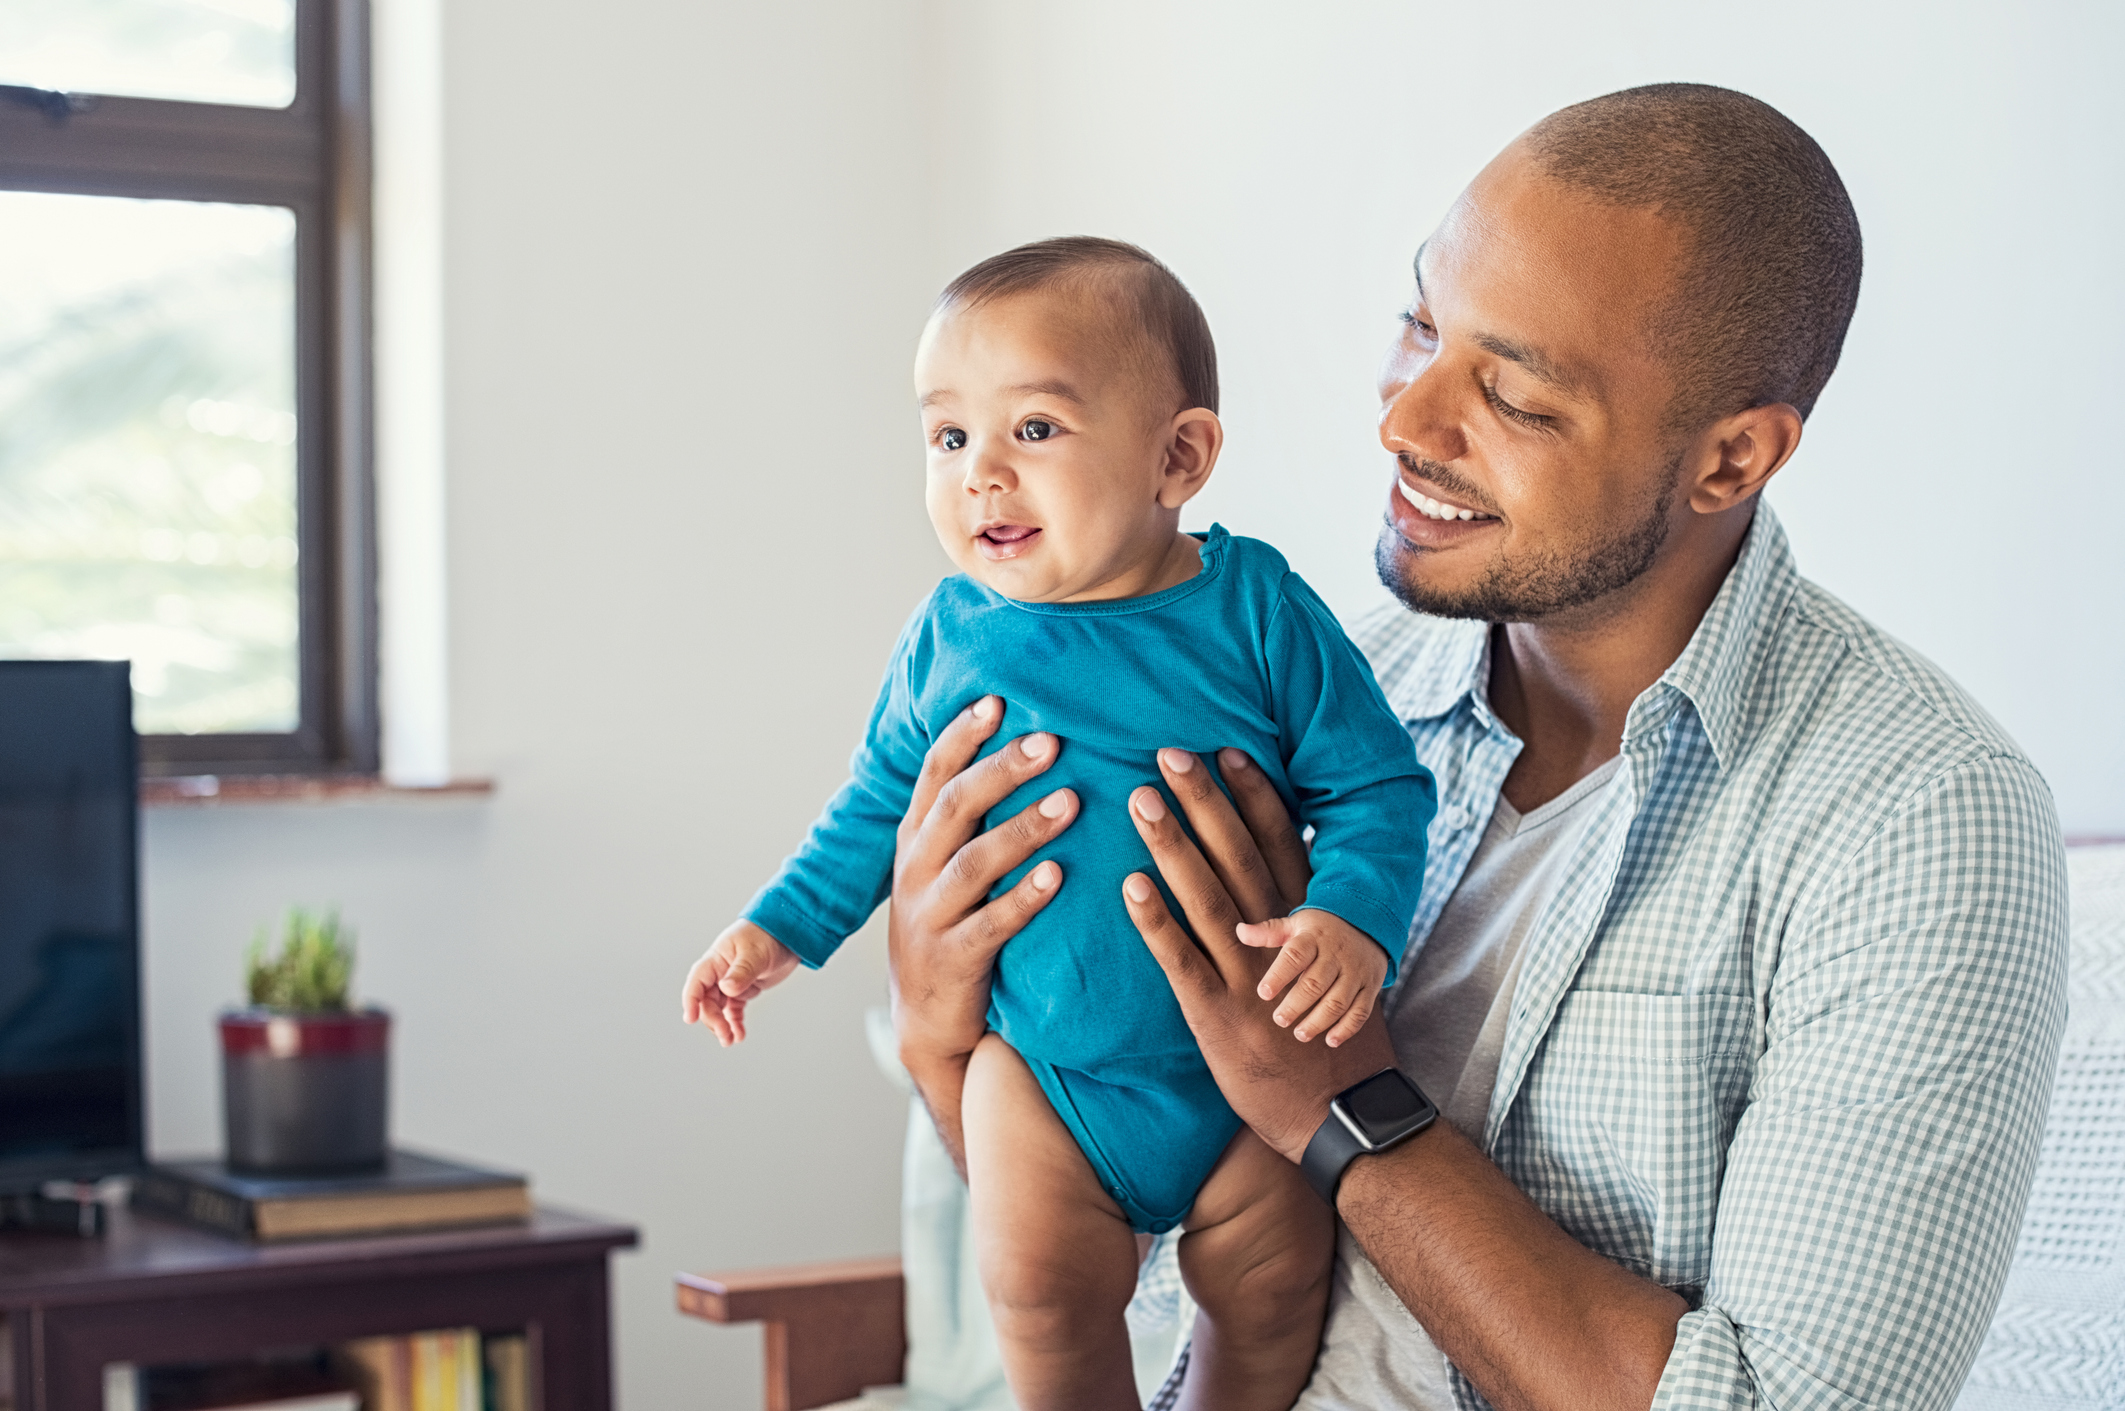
pixel 1419 416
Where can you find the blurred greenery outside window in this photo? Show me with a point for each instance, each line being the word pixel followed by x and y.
pixel 183 368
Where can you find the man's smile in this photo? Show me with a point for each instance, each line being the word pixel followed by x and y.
pixel 1436 509
pixel 1429 522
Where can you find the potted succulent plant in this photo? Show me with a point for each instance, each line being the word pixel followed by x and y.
pixel 305 1080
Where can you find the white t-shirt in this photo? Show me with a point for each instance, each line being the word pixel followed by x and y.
pixel 1447 1016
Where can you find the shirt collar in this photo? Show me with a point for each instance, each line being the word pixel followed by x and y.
pixel 1715 672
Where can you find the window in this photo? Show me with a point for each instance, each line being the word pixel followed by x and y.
pixel 184 369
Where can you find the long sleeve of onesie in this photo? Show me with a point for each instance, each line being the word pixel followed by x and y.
pixel 1353 769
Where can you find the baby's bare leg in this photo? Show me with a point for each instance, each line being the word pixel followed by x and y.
pixel 1058 1260
pixel 1257 1255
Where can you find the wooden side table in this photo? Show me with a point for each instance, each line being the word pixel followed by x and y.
pixel 152 1291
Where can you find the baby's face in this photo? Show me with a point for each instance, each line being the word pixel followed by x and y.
pixel 1046 465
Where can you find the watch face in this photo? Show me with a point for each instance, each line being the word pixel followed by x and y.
pixel 1387 1107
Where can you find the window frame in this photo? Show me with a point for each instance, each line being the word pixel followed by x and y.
pixel 313 157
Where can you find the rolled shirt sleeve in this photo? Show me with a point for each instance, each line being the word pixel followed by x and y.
pixel 1878 1174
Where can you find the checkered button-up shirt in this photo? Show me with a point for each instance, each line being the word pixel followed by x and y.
pixel 1784 1038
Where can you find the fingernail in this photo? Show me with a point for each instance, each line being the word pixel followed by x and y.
pixel 985 708
pixel 1179 761
pixel 1334 1042
pixel 1035 746
pixel 1055 805
pixel 1234 759
pixel 1044 877
pixel 1150 806
pixel 1138 887
pixel 1301 1035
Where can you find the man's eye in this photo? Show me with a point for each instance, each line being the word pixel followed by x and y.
pixel 951 438
pixel 1512 413
pixel 1037 430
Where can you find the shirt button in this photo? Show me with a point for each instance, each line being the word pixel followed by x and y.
pixel 1457 818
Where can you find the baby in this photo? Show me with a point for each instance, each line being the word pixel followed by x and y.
pixel 1069 401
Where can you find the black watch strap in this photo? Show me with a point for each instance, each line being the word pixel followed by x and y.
pixel 1376 1115
pixel 1333 1147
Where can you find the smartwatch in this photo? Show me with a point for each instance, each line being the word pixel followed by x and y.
pixel 1380 1113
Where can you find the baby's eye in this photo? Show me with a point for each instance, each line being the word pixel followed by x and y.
pixel 1037 430
pixel 951 438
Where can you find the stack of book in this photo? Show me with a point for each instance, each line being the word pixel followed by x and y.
pixel 452 1369
pixel 455 1370
pixel 413 1192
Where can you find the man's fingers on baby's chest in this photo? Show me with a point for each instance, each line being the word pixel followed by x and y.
pixel 948 757
pixel 1199 890
pixel 1227 844
pixel 1191 974
pixel 1269 823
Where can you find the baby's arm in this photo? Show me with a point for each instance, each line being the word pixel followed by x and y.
pixel 743 962
pixel 1333 971
pixel 1370 803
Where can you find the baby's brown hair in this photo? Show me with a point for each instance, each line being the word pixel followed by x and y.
pixel 1166 318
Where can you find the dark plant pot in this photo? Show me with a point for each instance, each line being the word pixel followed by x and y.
pixel 305 1094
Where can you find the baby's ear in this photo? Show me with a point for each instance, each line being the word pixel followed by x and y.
pixel 1193 440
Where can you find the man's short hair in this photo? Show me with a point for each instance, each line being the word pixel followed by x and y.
pixel 1774 251
pixel 1164 318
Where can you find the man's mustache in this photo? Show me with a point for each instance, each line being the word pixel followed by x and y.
pixel 1457 488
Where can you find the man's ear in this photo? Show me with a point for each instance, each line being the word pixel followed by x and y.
pixel 1192 442
pixel 1740 455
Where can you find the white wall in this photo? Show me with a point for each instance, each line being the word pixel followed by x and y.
pixel 689 246
pixel 1960 481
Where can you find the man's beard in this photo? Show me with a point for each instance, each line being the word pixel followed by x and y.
pixel 1530 588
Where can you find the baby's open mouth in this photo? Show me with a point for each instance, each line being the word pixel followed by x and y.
pixel 1004 541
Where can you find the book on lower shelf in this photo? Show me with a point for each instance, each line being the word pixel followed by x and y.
pixel 451 1370
pixel 413 1192
pixel 447 1369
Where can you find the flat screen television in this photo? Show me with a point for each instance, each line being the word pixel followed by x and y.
pixel 70 1090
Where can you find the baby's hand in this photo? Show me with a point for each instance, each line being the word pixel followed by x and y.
pixel 1338 970
pixel 744 961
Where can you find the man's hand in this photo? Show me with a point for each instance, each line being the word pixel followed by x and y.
pixel 1255 870
pixel 943 930
pixel 731 974
pixel 1333 969
pixel 1534 1318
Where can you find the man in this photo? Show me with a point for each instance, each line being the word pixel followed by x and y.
pixel 1740 973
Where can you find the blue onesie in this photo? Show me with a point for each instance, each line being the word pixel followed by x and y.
pixel 1243 655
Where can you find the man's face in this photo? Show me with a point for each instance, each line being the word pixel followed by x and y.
pixel 1525 407
pixel 1044 460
